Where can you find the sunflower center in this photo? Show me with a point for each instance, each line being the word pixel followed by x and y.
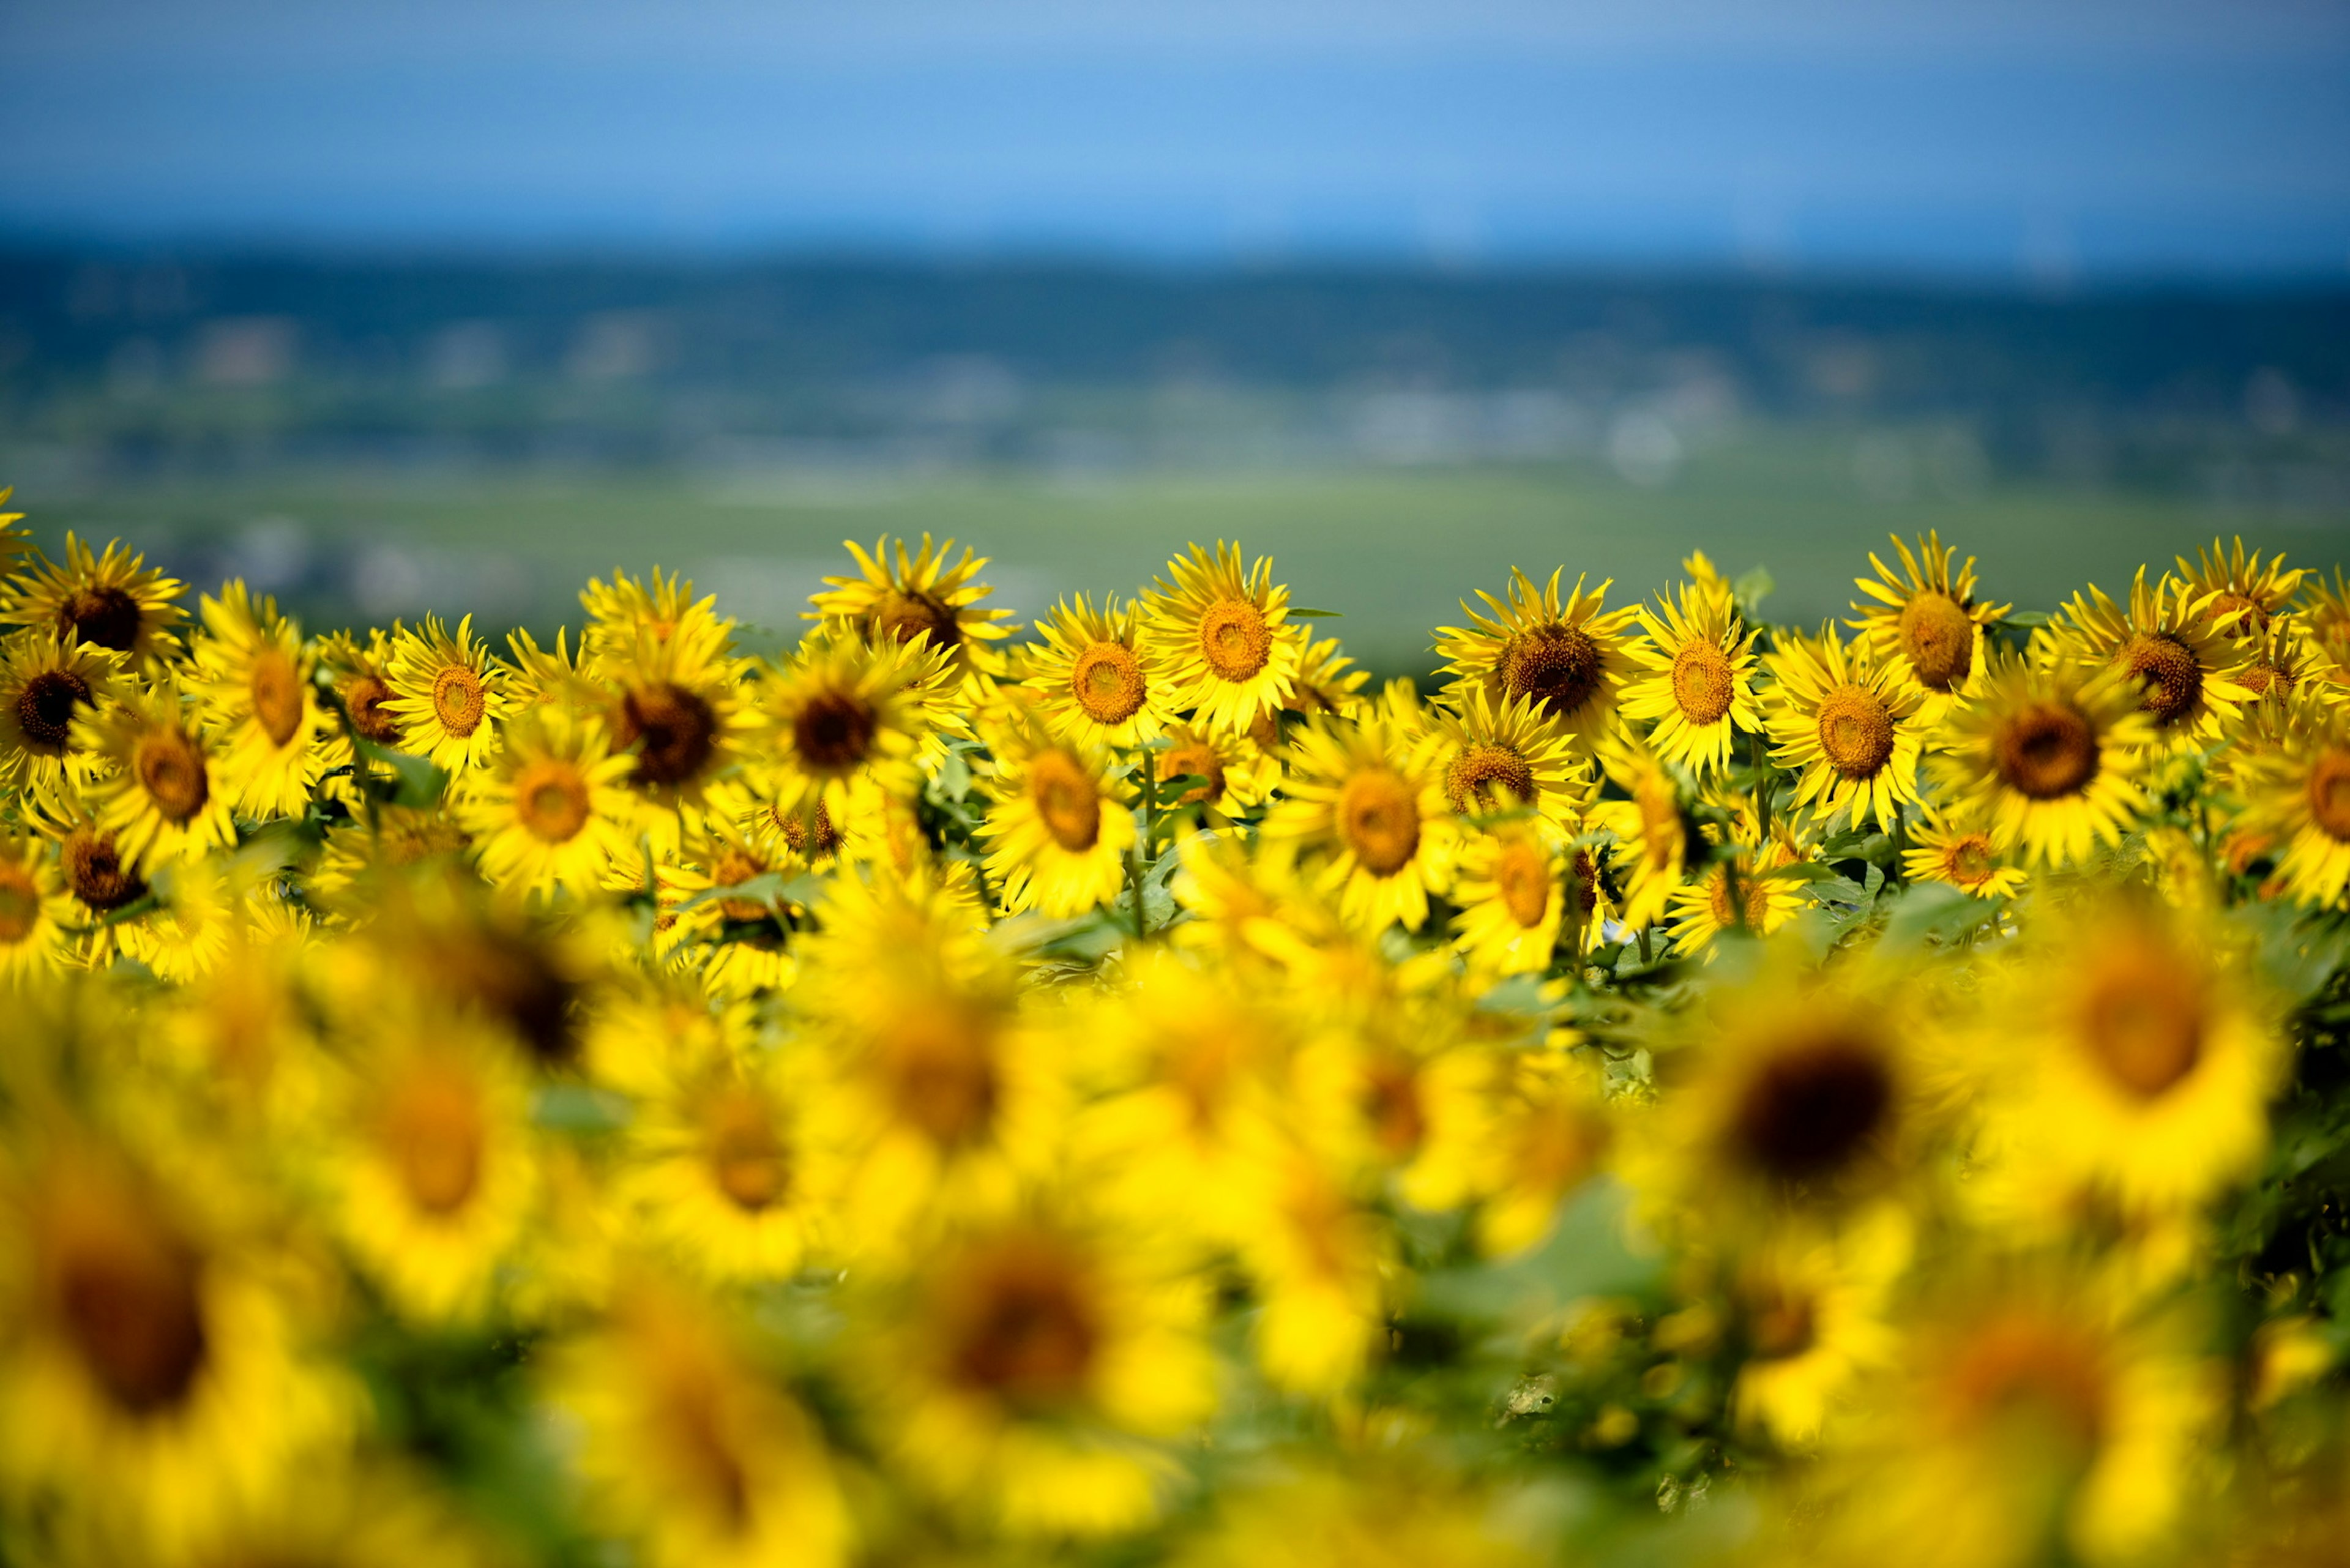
pixel 2166 669
pixel 95 870
pixel 941 1065
pixel 365 697
pixel 674 730
pixel 20 904
pixel 1939 638
pixel 906 614
pixel 1522 878
pixel 551 800
pixel 1969 861
pixel 1022 1325
pixel 734 868
pixel 1489 777
pixel 2020 1367
pixel 1583 887
pixel 107 617
pixel 1812 1107
pixel 1557 665
pixel 2242 615
pixel 833 733
pixel 517 979
pixel 2143 1021
pixel 171 771
pixel 1391 1103
pixel 433 1131
pixel 45 708
pixel 2046 751
pixel 276 688
pixel 1107 681
pixel 2329 794
pixel 1753 901
pixel 1701 682
pixel 1856 731
pixel 816 841
pixel 1065 799
pixel 457 699
pixel 2262 678
pixel 133 1313
pixel 1234 639
pixel 746 1153
pixel 1379 819
pixel 1784 1323
pixel 1197 758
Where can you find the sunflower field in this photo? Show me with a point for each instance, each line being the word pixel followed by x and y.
pixel 1124 1090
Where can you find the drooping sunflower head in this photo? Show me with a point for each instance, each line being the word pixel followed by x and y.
pixel 161 798
pixel 361 670
pixel 1231 772
pixel 1927 613
pixel 1100 685
pixel 33 906
pixel 1848 724
pixel 1564 654
pixel 1367 810
pixel 2047 758
pixel 111 600
pixel 1700 685
pixel 254 694
pixel 1736 893
pixel 919 599
pixel 2240 592
pixel 448 695
pixel 1222 630
pixel 2186 666
pixel 46 680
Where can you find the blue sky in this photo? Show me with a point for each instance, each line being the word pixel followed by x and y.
pixel 2082 137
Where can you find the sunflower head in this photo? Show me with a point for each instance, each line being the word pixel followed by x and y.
pixel 922 598
pixel 2239 591
pixel 1222 630
pixel 47 682
pixel 1059 826
pixel 1563 654
pixel 1367 807
pixel 1848 722
pixel 2047 757
pixel 1927 614
pixel 111 601
pixel 1700 685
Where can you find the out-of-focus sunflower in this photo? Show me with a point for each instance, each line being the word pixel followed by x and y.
pixel 161 800
pixel 1318 1262
pixel 1101 685
pixel 2299 794
pixel 361 674
pixel 1568 656
pixel 1549 1134
pixel 2047 758
pixel 1848 724
pixel 255 695
pixel 110 600
pixel 2184 665
pixel 1031 1369
pixel 1810 1311
pixel 1377 1511
pixel 2325 606
pixel 1500 756
pixel 551 810
pixel 351 1513
pixel 1736 895
pixel 2285 661
pixel 737 942
pixel 1058 831
pixel 1514 895
pixel 33 907
pixel 1943 848
pixel 2239 591
pixel 1368 816
pixel 627 613
pixel 1701 685
pixel 447 694
pixel 13 541
pixel 844 713
pixel 45 680
pixel 919 598
pixel 1224 635
pixel 401 837
pixel 688 1446
pixel 99 884
pixel 1652 834
pixel 1927 614
pixel 1235 772
pixel 1328 682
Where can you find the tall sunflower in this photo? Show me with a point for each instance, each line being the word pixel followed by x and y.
pixel 919 598
pixel 1812 1311
pixel 2047 758
pixel 162 800
pixel 1058 830
pixel 2298 794
pixel 1566 655
pixel 2185 665
pixel 1504 756
pixel 551 810
pixel 256 696
pixel 447 693
pixel 1102 685
pixel 1736 895
pixel 1929 613
pixel 1224 635
pixel 2241 593
pixel 1848 724
pixel 45 680
pixel 1700 687
pixel 112 600
pixel 1368 816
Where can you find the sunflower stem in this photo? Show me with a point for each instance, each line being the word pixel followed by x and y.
pixel 1646 957
pixel 1134 857
pixel 1900 842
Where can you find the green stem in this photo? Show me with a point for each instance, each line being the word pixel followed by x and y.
pixel 1134 857
pixel 1646 957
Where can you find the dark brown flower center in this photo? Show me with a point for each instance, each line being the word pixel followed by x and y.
pixel 1020 1323
pixel 1939 638
pixel 1392 1105
pixel 172 772
pixel 1812 1107
pixel 45 708
pixel 1488 776
pixel 1557 665
pixel 130 1296
pixel 833 733
pixel 940 1066
pixel 902 615
pixel 1197 757
pixel 1856 731
pixel 365 697
pixel 1379 819
pixel 95 871
pixel 674 730
pixel 106 616
pixel 2046 751
pixel 819 840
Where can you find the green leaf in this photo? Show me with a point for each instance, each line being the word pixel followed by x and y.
pixel 1316 614
pixel 576 1108
pixel 420 784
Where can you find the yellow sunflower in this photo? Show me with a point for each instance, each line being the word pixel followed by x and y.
pixel 1101 685
pixel 2186 666
pixel 918 600
pixel 447 693
pixel 1652 828
pixel 255 696
pixel 739 943
pixel 1812 1312
pixel 162 800
pixel 681 717
pixel 46 680
pixel 1943 848
pixel 1927 614
pixel 551 810
pixel 13 541
pixel 2325 606
pixel 33 908
pixel 1568 656
pixel 1737 895
pixel 1327 683
pixel 1319 1260
pixel 844 714
pixel 1514 895
pixel 2240 592
pixel 627 614
pixel 1059 832
pixel 100 885
pixel 1368 816
pixel 2298 794
pixel 1550 1134
pixel 1235 772
pixel 1501 756
pixel 108 600
pixel 1701 685
pixel 2047 758
pixel 1848 724
pixel 1223 636
pixel 358 853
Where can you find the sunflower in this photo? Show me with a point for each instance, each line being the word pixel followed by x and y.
pixel 1223 636
pixel 447 693
pixel 687 1446
pixel 1101 685
pixel 45 680
pixel 2298 796
pixel 1927 614
pixel 255 696
pixel 739 943
pixel 2325 606
pixel 1502 757
pixel 108 600
pixel 1848 724
pixel 551 810
pixel 844 713
pixel 358 853
pixel 1369 813
pixel 628 614
pixel 1812 1313
pixel 13 541
pixel 1032 1369
pixel 33 908
pixel 1057 830
pixel 1736 894
pixel 2047 758
pixel 1549 1134
pixel 2241 593
pixel 1513 897
pixel 1651 830
pixel 1377 1508
pixel 2186 666
pixel 101 886
pixel 1236 772
pixel 1701 685
pixel 1945 849
pixel 162 801
pixel 919 599
pixel 1327 683
pixel 1567 657
pixel 681 716
pixel 1318 1263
